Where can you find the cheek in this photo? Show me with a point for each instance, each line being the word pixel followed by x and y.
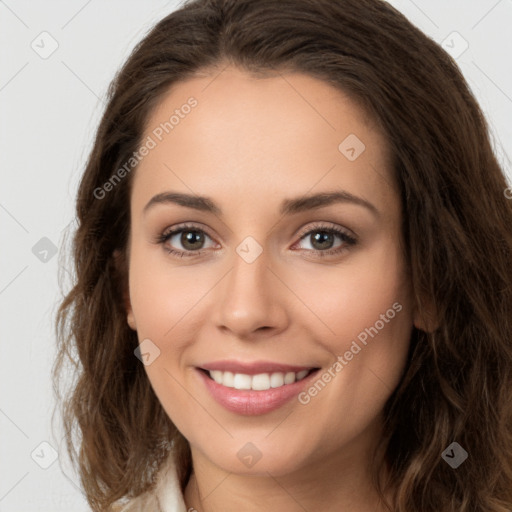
pixel 368 312
pixel 349 395
pixel 166 303
pixel 353 296
pixel 162 296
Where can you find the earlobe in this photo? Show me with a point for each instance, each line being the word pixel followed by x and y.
pixel 131 320
pixel 122 280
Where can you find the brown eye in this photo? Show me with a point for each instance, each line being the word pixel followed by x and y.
pixel 322 239
pixel 190 238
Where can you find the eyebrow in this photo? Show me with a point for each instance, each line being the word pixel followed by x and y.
pixel 288 206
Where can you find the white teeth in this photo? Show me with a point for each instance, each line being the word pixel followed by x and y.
pixel 289 378
pixel 302 374
pixel 259 382
pixel 216 375
pixel 276 380
pixel 228 379
pixel 242 381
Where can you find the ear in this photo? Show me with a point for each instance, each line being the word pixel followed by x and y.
pixel 425 317
pixel 122 278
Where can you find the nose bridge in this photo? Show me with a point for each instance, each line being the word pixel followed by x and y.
pixel 249 278
pixel 250 293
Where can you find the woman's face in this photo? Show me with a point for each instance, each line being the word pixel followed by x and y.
pixel 272 341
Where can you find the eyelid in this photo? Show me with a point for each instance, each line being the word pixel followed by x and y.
pixel 324 225
pixel 349 238
pixel 184 226
pixel 304 231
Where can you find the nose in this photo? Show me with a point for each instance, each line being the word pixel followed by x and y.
pixel 251 299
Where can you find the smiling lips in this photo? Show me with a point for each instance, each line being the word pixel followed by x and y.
pixel 254 388
pixel 258 382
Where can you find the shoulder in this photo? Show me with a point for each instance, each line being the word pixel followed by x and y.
pixel 166 496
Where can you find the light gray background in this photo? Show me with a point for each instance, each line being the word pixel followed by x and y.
pixel 49 111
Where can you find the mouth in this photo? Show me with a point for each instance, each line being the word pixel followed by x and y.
pixel 255 388
pixel 258 382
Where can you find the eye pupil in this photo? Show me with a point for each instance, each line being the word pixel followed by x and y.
pixel 189 237
pixel 321 237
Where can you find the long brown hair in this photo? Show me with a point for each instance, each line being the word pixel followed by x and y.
pixel 457 227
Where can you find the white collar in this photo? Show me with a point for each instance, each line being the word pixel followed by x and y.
pixel 168 490
pixel 166 495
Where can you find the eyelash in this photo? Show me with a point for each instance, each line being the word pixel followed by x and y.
pixel 348 240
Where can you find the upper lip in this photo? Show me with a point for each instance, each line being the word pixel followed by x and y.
pixel 253 368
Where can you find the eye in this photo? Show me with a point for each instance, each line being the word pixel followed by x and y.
pixel 192 239
pixel 322 238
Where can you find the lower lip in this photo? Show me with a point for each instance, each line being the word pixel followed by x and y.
pixel 250 402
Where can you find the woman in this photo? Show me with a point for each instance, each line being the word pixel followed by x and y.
pixel 293 272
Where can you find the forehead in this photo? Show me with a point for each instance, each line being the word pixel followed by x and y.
pixel 260 137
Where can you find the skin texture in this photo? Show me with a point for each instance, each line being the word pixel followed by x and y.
pixel 248 145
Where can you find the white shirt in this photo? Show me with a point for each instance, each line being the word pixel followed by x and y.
pixel 165 497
